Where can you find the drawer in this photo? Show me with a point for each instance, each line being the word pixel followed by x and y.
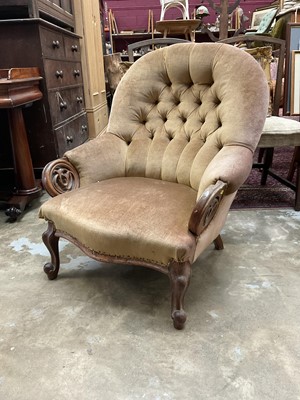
pixel 62 73
pixel 72 134
pixel 52 44
pixel 72 48
pixel 65 103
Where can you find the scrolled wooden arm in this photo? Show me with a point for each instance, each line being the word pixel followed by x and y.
pixel 59 176
pixel 206 207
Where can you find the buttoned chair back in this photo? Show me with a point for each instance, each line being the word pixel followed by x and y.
pixel 172 108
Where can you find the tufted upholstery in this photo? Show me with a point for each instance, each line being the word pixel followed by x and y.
pixel 174 111
pixel 180 129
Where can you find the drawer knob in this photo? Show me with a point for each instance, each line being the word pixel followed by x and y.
pixel 84 128
pixel 74 48
pixel 69 139
pixel 63 105
pixel 79 99
pixel 76 72
pixel 55 44
pixel 59 74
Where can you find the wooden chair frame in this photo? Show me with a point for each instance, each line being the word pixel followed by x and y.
pixel 155 43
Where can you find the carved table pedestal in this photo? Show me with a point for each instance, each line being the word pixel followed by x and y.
pixel 19 87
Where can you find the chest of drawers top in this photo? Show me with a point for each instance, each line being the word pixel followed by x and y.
pixel 59 44
pixel 55 42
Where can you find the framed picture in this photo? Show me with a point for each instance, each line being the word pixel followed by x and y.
pixel 295 83
pixel 258 15
pixel 292 44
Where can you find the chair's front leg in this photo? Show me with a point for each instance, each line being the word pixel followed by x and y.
pixel 179 274
pixel 51 242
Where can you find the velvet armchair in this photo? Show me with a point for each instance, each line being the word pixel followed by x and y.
pixel 154 190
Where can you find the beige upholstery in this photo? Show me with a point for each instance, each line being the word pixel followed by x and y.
pixel 155 189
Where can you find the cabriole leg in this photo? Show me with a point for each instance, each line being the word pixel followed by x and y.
pixel 179 274
pixel 51 242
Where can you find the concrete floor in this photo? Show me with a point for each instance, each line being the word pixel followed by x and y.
pixel 103 332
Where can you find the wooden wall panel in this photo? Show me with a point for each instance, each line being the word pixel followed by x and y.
pixel 87 19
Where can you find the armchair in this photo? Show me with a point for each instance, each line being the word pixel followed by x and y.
pixel 154 190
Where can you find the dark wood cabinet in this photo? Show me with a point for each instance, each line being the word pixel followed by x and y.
pixel 58 122
pixel 59 12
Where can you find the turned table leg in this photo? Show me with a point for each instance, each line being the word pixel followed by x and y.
pixel 26 188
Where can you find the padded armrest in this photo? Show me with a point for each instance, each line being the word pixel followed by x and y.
pixel 101 158
pixel 231 165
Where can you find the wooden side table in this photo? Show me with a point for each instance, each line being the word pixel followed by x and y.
pixel 186 27
pixel 19 87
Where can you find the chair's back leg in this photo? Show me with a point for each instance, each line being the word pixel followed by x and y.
pixel 218 242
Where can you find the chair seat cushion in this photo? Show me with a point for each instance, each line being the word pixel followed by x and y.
pixel 130 218
pixel 280 131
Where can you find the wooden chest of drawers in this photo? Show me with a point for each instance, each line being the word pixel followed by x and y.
pixel 58 122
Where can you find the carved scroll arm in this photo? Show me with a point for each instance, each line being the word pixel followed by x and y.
pixel 206 207
pixel 60 176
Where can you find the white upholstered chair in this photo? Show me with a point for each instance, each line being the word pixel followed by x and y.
pixel 182 5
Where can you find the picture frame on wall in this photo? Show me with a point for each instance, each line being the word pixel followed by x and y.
pixel 258 15
pixel 292 44
pixel 295 83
